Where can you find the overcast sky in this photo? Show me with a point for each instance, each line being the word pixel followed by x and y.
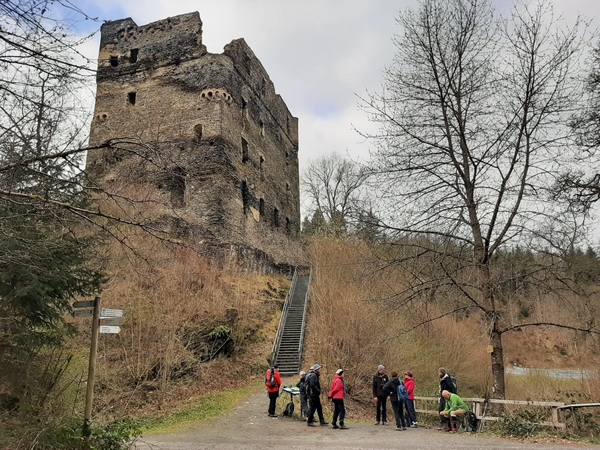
pixel 320 54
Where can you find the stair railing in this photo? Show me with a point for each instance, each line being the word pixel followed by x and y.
pixel 304 314
pixel 286 306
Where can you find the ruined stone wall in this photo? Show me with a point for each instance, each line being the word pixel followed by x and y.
pixel 226 138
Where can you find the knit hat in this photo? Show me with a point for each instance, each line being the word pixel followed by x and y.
pixel 302 373
pixel 381 367
pixel 408 373
pixel 339 371
pixel 316 367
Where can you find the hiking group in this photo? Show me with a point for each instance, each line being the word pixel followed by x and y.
pixel 401 394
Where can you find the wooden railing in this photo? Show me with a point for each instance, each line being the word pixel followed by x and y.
pixel 481 405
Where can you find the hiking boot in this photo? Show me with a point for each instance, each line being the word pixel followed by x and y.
pixel 453 430
pixel 334 426
pixel 404 428
pixel 272 415
pixel 324 423
pixel 376 423
pixel 343 427
pixel 311 424
pixel 384 423
pixel 414 425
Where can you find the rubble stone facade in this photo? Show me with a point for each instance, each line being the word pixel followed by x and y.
pixel 228 159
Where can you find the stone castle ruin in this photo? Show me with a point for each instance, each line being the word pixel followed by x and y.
pixel 227 160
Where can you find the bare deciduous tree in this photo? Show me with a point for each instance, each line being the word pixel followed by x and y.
pixel 474 131
pixel 334 185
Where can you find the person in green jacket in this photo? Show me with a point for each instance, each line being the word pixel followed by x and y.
pixel 455 407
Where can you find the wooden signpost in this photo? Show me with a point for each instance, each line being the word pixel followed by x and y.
pixel 103 321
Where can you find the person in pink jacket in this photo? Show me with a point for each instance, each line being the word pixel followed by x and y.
pixel 411 413
pixel 337 394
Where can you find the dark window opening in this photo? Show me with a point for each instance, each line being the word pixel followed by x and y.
pixel 288 225
pixel 133 55
pixel 198 132
pixel 178 187
pixel 262 128
pixel 261 207
pixel 245 196
pixel 244 150
pixel 260 167
pixel 114 61
pixel 275 217
pixel 132 97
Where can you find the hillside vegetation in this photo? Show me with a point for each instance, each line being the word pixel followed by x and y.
pixel 366 310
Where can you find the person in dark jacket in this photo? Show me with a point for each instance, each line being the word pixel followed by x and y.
pixel 392 387
pixel 445 385
pixel 380 396
pixel 313 391
pixel 303 400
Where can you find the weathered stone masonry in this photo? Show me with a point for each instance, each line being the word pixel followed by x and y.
pixel 228 163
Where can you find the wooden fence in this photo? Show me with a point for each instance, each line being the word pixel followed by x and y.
pixel 480 406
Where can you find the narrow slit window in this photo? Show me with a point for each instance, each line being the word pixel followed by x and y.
pixel 275 217
pixel 244 150
pixel 132 97
pixel 133 55
pixel 245 196
pixel 261 207
pixel 288 225
pixel 178 187
pixel 114 61
pixel 198 132
pixel 261 166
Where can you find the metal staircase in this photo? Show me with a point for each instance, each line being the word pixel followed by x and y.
pixel 287 349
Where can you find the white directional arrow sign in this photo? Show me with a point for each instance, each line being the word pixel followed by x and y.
pixel 109 329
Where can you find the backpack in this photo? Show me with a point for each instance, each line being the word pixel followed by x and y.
pixel 402 393
pixel 307 389
pixel 454 389
pixel 289 409
pixel 270 378
pixel 471 421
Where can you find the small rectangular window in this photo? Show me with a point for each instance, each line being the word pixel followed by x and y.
pixel 245 196
pixel 244 150
pixel 114 61
pixel 275 217
pixel 198 132
pixel 133 55
pixel 131 96
pixel 261 207
pixel 260 167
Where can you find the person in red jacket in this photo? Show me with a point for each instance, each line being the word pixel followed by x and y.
pixel 273 388
pixel 411 413
pixel 337 395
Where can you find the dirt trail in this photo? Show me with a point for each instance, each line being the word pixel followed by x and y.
pixel 248 427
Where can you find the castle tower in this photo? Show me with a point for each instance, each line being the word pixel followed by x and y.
pixel 225 144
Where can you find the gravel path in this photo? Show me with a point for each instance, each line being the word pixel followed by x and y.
pixel 248 427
